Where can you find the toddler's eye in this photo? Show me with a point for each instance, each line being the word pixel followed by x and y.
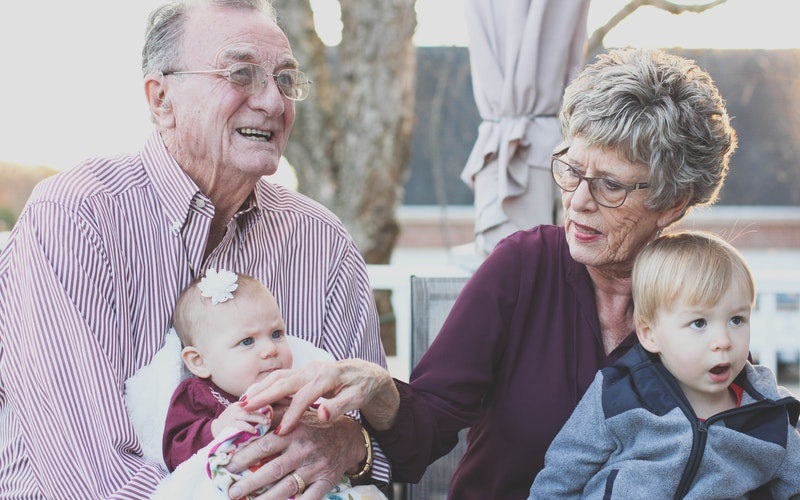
pixel 277 334
pixel 247 341
pixel 699 323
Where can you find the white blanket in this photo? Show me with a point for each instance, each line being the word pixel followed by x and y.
pixel 147 396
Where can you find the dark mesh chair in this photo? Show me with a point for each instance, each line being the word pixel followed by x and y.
pixel 431 301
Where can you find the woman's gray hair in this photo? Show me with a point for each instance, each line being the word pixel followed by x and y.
pixel 658 109
pixel 162 48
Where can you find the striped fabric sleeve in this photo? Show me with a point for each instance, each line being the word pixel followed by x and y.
pixel 56 374
pixel 352 292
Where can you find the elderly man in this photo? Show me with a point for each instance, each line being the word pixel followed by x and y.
pixel 95 264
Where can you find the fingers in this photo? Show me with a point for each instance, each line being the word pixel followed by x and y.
pixel 291 486
pixel 277 473
pixel 246 427
pixel 348 384
pixel 267 445
pixel 318 489
pixel 291 417
pixel 257 418
pixel 304 386
pixel 349 399
pixel 280 489
pixel 272 473
pixel 307 396
pixel 317 453
pixel 276 386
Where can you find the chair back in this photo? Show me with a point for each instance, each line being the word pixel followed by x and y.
pixel 431 301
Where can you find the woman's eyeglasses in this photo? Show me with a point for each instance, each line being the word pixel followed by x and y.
pixel 606 192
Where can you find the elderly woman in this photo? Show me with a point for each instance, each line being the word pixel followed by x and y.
pixel 646 137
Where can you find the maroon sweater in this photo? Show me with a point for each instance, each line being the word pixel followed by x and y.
pixel 520 347
pixel 195 403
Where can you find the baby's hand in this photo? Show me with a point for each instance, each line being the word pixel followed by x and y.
pixel 237 417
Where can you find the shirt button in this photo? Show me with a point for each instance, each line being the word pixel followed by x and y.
pixel 200 203
pixel 176 226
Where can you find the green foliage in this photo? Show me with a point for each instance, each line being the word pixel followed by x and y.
pixel 7 218
pixel 16 184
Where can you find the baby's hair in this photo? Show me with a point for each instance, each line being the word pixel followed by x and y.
pixel 696 265
pixel 191 303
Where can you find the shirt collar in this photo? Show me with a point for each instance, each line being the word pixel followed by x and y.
pixel 175 189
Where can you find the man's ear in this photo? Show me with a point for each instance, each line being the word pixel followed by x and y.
pixel 155 91
pixel 645 333
pixel 194 362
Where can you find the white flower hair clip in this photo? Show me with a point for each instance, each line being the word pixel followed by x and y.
pixel 218 285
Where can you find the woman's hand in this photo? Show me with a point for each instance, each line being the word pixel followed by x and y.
pixel 346 385
pixel 318 452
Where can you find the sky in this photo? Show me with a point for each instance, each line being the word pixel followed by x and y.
pixel 72 84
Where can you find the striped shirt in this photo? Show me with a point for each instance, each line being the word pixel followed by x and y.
pixel 88 282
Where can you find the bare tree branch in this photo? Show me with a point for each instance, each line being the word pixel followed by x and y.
pixel 594 44
pixel 675 8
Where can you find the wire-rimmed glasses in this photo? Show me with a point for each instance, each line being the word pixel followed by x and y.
pixel 251 78
pixel 606 192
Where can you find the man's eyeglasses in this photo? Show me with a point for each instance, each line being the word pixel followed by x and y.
pixel 606 192
pixel 251 78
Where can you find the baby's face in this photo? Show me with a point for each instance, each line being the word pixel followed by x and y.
pixel 243 340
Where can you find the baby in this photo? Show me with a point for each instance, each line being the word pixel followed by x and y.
pixel 232 334
pixel 228 344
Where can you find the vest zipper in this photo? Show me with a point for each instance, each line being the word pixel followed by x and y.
pixel 700 436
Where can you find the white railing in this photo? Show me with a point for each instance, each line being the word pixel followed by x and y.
pixel 775 330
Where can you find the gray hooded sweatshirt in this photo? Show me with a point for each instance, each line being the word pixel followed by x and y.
pixel 634 435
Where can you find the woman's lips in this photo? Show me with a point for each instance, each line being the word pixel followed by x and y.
pixel 585 233
pixel 586 229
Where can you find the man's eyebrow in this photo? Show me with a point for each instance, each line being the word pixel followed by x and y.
pixel 289 62
pixel 238 55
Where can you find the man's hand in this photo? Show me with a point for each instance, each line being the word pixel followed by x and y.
pixel 319 452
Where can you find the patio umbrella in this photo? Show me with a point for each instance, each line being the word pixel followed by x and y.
pixel 522 53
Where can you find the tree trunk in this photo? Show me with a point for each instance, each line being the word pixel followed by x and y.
pixel 351 139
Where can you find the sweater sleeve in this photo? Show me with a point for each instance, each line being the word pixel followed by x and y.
pixel 578 452
pixel 448 387
pixel 188 424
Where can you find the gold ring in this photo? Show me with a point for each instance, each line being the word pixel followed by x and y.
pixel 301 485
